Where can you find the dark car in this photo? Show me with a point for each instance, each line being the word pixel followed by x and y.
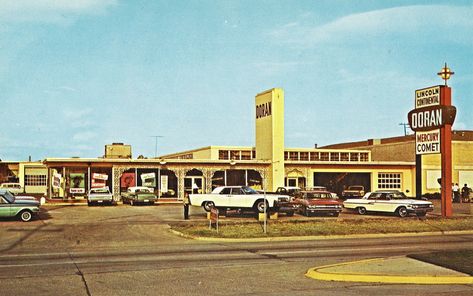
pixel 11 206
pixel 318 202
pixel 139 195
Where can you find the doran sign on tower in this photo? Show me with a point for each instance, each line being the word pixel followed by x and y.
pixel 428 117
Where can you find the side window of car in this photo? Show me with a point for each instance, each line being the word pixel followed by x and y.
pixel 225 191
pixel 2 200
pixel 237 191
pixel 374 196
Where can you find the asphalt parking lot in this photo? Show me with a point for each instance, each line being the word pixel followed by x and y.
pixel 168 213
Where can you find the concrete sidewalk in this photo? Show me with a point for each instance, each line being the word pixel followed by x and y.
pixel 396 270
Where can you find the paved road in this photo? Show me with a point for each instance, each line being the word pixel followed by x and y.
pixel 129 251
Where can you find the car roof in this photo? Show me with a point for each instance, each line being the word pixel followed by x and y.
pixel 316 191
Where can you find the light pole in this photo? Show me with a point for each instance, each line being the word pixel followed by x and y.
pixel 265 216
pixel 405 125
pixel 156 145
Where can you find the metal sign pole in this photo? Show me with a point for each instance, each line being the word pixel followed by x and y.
pixel 265 216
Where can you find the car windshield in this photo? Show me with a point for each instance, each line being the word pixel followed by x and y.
pixel 397 195
pixel 355 187
pixel 248 190
pixel 142 190
pixel 8 196
pixel 318 195
pixel 388 195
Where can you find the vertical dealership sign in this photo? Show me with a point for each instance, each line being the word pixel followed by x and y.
pixel 432 121
pixel 426 102
pixel 269 117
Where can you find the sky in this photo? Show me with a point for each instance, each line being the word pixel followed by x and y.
pixel 77 75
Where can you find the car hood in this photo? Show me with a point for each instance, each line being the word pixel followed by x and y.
pixel 25 197
pixel 26 202
pixel 323 202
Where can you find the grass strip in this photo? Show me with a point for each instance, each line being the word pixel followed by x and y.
pixel 320 226
pixel 461 261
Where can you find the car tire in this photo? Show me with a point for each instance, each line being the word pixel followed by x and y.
pixel 259 206
pixel 26 216
pixel 402 212
pixel 421 214
pixel 151 203
pixel 290 214
pixel 336 214
pixel 208 205
pixel 361 210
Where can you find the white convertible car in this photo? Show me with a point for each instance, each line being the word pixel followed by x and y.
pixel 390 201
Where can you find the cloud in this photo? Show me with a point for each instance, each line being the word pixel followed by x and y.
pixel 60 89
pixel 50 11
pixel 399 20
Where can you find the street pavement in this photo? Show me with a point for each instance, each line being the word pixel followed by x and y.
pixel 125 250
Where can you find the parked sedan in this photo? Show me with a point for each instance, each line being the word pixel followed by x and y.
pixel 99 196
pixel 389 201
pixel 14 188
pixel 318 202
pixel 10 206
pixel 139 194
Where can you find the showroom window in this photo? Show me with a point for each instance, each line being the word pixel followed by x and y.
pixel 389 181
pixel 304 156
pixel 354 157
pixel 293 156
pixel 324 156
pixel 245 155
pixel 334 156
pixel 222 154
pixel 35 180
pixel 314 156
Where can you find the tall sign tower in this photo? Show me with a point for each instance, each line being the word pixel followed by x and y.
pixel 270 134
pixel 432 121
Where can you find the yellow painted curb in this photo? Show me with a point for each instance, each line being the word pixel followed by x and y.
pixel 318 274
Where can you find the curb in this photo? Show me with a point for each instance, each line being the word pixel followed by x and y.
pixel 319 237
pixel 318 274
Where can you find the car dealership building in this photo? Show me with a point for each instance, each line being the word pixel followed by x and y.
pixel 376 164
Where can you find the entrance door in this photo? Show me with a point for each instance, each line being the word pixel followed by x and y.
pixel 193 184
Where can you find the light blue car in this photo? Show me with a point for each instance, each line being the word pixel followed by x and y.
pixel 11 206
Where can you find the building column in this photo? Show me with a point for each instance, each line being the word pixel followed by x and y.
pixel 116 176
pixel 180 174
pixel 208 174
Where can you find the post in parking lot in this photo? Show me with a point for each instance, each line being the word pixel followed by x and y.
pixel 213 218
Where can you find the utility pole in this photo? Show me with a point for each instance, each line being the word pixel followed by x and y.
pixel 156 145
pixel 405 125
